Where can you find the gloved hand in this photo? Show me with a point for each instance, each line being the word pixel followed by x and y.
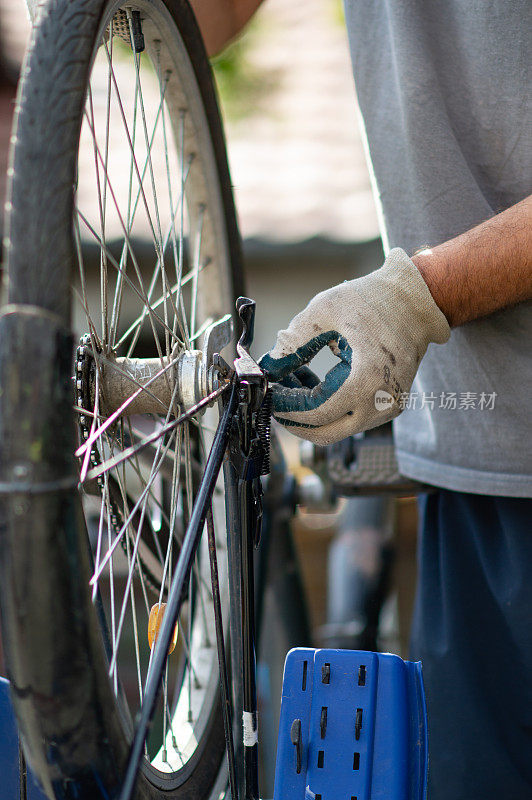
pixel 380 327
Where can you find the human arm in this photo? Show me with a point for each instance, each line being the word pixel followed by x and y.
pixel 381 325
pixel 221 20
pixel 484 269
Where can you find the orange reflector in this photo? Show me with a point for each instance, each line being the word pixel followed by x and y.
pixel 154 624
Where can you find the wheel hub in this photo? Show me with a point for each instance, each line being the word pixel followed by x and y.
pixel 152 385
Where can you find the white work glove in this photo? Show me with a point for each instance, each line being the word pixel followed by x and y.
pixel 380 327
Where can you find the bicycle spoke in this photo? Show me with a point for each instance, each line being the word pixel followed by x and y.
pixel 195 283
pixel 132 211
pixel 151 184
pixel 177 256
pixel 129 452
pixel 129 140
pixel 98 549
pixel 135 630
pixel 117 300
pixel 103 205
pixel 178 322
pixel 116 640
pixel 141 502
pixel 129 516
pixel 159 247
pixel 94 436
pixel 138 84
pixel 194 529
pixel 175 289
pixel 111 578
pixel 134 260
pixel 103 257
pixel 112 260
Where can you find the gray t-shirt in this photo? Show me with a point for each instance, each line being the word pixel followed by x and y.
pixel 444 90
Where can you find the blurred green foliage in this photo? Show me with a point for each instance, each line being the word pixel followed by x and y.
pixel 338 13
pixel 243 86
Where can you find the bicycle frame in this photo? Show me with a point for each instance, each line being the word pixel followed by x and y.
pixel 237 434
pixel 242 432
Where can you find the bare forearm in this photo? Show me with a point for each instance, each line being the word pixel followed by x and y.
pixel 484 269
pixel 221 20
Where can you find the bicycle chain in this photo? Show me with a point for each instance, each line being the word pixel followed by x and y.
pixel 85 378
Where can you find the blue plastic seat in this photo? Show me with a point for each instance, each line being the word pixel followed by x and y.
pixel 9 754
pixel 353 726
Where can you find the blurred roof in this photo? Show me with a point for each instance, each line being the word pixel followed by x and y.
pixel 297 160
pixel 298 164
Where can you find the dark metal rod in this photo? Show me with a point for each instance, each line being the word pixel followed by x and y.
pixel 222 663
pixel 23 773
pixel 175 597
pixel 249 717
pixel 234 545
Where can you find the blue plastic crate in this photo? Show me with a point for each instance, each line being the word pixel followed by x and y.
pixel 353 726
pixel 9 754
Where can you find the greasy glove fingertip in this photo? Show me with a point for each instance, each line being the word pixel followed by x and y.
pixel 270 366
pixel 278 368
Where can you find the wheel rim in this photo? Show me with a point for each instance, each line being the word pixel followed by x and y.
pixel 147 171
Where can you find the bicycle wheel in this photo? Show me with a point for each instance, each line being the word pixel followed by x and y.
pixel 122 242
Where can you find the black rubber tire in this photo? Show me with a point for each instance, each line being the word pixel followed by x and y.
pixel 74 737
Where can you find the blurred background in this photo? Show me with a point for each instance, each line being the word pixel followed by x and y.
pixel 308 221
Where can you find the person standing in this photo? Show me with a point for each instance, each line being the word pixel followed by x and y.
pixel 440 337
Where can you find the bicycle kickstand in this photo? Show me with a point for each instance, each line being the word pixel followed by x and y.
pixel 250 453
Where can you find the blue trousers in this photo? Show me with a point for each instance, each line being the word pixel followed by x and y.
pixel 472 629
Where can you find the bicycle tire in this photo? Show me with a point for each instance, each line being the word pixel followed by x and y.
pixel 74 730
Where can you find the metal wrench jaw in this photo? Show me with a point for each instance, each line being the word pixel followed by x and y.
pixel 247 370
